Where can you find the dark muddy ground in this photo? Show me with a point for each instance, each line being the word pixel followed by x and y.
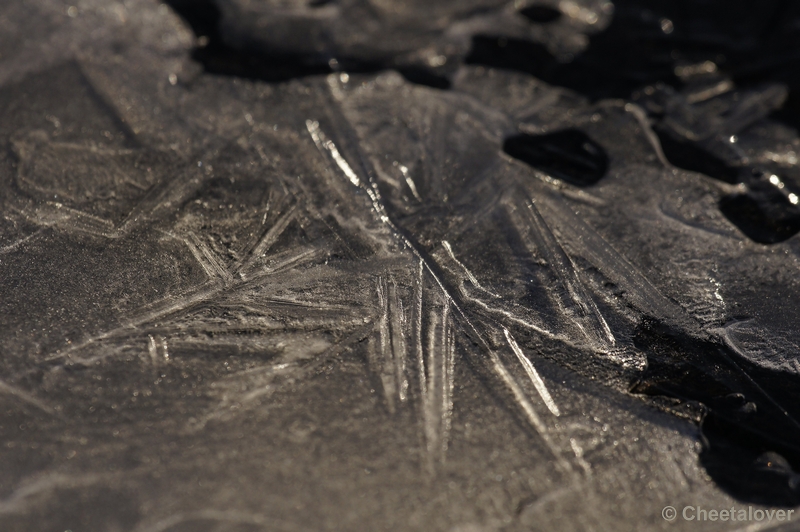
pixel 459 265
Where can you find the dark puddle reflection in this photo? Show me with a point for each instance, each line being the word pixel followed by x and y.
pixel 764 214
pixel 569 155
pixel 540 14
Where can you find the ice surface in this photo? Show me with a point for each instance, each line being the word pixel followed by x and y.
pixel 364 265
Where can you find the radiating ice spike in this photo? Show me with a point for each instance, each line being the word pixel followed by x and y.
pixel 573 295
pixel 532 374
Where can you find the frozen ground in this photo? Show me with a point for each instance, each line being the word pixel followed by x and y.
pixel 365 265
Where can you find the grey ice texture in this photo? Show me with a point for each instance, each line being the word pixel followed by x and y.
pixel 334 303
